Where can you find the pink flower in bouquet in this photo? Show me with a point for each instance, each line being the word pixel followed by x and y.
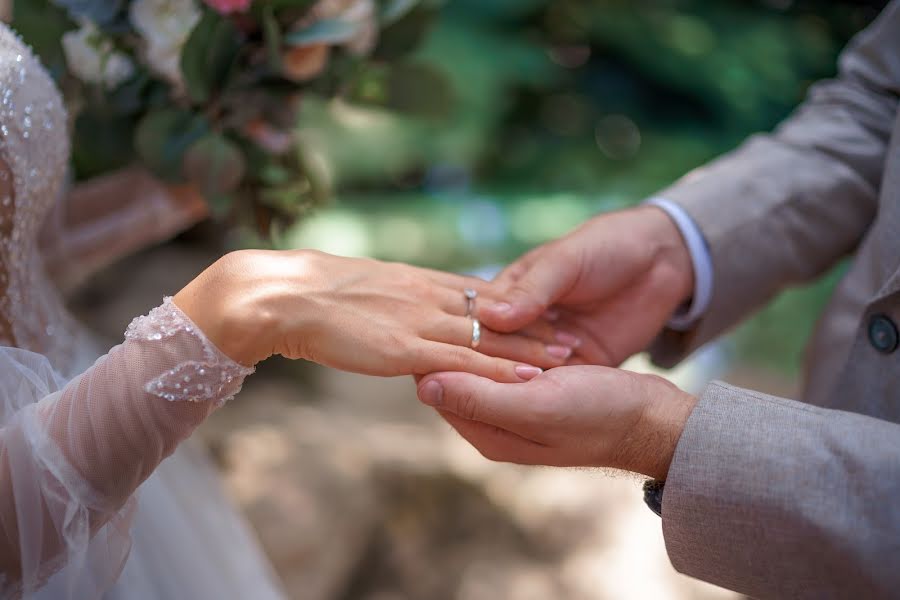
pixel 226 7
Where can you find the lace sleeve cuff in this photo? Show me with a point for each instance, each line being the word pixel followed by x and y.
pixel 214 377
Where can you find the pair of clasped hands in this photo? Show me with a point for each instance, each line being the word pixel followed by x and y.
pixel 540 387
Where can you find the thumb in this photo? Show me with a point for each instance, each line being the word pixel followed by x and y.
pixel 474 398
pixel 543 281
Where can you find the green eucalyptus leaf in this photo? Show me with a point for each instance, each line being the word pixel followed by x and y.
pixel 129 98
pixel 101 142
pixel 215 165
pixel 220 204
pixel 208 55
pixel 405 34
pixel 274 175
pixel 163 136
pixel 394 10
pixel 326 31
pixel 272 36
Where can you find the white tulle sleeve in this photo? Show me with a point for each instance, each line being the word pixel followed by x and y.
pixel 71 457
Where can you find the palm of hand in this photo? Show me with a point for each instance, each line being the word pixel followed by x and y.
pixel 570 416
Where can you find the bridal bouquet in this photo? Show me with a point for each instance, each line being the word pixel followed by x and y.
pixel 208 91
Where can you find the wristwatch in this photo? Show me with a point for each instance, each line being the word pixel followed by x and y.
pixel 653 495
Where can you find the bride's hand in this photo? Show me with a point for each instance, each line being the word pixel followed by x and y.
pixel 355 314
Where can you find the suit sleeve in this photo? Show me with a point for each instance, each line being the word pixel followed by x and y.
pixel 786 206
pixel 778 499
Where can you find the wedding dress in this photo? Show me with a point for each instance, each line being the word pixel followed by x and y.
pixel 88 506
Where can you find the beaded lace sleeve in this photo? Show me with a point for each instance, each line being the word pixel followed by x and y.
pixel 70 461
pixel 75 447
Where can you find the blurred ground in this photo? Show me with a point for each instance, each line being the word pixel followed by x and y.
pixel 358 492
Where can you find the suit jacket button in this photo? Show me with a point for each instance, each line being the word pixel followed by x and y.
pixel 883 334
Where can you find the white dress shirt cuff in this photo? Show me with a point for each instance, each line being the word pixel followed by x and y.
pixel 701 260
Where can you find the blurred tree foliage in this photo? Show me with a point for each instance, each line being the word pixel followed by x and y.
pixel 561 108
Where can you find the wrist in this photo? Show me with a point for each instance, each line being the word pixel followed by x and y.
pixel 652 444
pixel 671 252
pixel 229 312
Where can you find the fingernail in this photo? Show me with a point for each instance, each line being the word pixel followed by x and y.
pixel 562 352
pixel 551 314
pixel 567 339
pixel 528 372
pixel 502 307
pixel 432 393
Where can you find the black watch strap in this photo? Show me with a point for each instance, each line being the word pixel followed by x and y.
pixel 653 495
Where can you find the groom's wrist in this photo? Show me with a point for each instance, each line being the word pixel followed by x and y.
pixel 652 443
pixel 670 250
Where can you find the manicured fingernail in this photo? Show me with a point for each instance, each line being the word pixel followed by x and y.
pixel 432 393
pixel 567 339
pixel 502 307
pixel 562 352
pixel 551 314
pixel 528 372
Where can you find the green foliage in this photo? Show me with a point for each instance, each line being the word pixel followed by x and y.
pixel 217 166
pixel 163 136
pixel 777 337
pixel 230 106
pixel 209 55
pixel 102 142
pixel 563 108
pixel 43 24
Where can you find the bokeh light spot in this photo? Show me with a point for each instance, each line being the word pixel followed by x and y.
pixel 335 232
pixel 618 137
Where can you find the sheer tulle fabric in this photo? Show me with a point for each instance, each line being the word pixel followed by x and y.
pixel 77 437
pixel 72 456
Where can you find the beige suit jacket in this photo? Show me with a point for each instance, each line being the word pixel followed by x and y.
pixel 778 498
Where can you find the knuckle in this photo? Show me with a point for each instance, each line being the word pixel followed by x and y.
pixel 460 357
pixel 402 348
pixel 467 405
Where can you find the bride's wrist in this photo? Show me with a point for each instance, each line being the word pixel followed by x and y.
pixel 229 312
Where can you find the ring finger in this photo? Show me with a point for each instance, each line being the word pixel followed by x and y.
pixel 460 331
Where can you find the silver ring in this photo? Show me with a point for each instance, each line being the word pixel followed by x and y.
pixel 476 333
pixel 470 295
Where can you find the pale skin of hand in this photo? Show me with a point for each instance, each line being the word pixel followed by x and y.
pixel 359 315
pixel 575 416
pixel 608 287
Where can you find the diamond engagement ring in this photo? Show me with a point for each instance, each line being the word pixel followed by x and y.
pixel 470 300
pixel 476 333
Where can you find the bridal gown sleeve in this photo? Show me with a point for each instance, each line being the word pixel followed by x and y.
pixel 71 460
pixel 73 453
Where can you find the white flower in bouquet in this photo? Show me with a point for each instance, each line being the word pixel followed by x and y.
pixel 165 26
pixel 92 57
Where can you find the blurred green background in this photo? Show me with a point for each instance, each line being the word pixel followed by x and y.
pixel 539 113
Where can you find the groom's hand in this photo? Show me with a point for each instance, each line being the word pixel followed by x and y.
pixel 612 284
pixel 568 416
